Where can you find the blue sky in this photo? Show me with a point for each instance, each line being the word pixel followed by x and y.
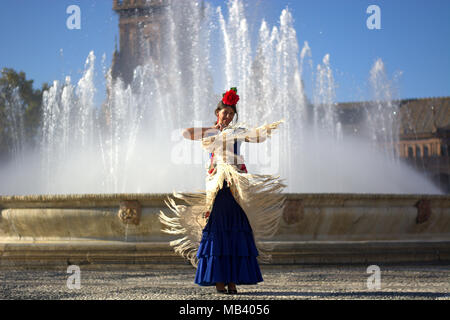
pixel 414 39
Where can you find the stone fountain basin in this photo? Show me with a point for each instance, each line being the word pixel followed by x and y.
pixel 316 228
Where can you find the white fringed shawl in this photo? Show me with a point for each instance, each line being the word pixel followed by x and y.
pixel 259 195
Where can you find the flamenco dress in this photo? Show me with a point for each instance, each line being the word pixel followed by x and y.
pixel 222 230
pixel 227 251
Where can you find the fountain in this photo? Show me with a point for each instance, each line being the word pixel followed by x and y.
pixel 342 189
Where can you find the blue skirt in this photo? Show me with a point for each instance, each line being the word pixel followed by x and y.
pixel 227 251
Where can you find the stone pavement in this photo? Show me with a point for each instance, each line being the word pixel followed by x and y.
pixel 281 282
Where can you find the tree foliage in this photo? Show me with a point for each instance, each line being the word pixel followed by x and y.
pixel 18 99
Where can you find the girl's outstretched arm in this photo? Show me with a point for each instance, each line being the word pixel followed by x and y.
pixel 260 134
pixel 200 133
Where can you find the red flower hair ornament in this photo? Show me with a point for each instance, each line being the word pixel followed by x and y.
pixel 230 98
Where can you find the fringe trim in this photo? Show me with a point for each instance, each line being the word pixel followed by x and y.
pixel 187 221
pixel 259 196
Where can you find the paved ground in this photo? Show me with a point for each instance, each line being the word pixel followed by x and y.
pixel 280 282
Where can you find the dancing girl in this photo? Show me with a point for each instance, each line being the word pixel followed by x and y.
pixel 222 229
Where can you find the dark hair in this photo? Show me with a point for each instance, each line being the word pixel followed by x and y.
pixel 222 105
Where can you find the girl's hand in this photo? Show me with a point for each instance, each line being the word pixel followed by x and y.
pixel 219 126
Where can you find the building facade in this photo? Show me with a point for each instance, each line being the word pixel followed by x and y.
pixel 423 140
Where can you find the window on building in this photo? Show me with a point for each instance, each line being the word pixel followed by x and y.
pixel 426 152
pixel 443 150
pixel 418 153
pixel 410 152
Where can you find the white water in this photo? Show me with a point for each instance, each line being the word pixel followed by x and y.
pixel 132 143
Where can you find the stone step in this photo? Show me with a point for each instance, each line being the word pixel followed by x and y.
pixel 98 253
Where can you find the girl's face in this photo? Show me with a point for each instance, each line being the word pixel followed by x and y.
pixel 225 116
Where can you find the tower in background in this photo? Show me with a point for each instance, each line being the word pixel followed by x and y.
pixel 140 27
